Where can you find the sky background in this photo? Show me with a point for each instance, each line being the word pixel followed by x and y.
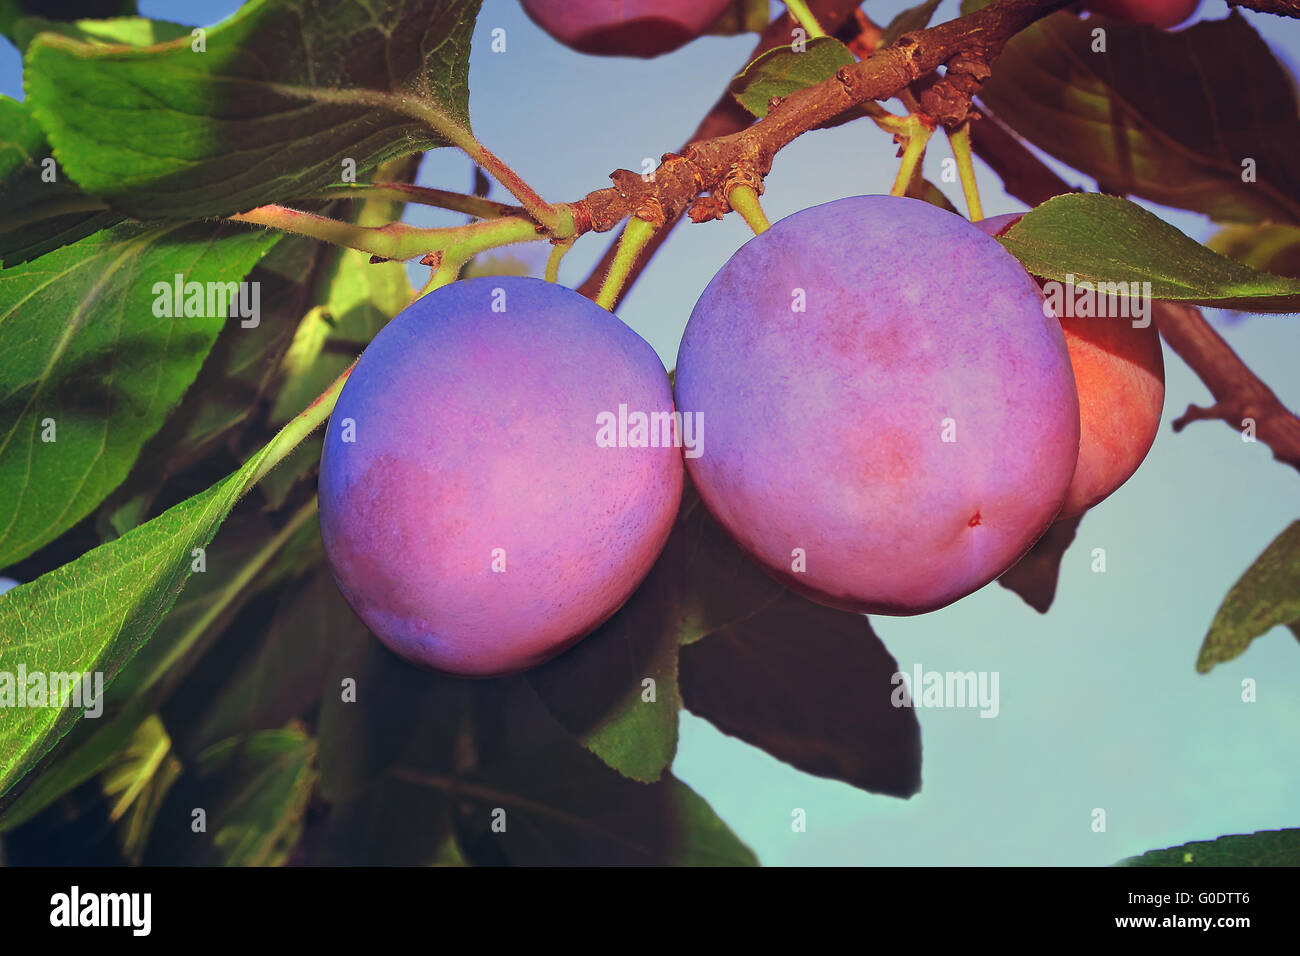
pixel 1101 705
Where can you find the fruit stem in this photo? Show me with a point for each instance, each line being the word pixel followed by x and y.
pixel 799 11
pixel 397 240
pixel 553 260
pixel 959 139
pixel 636 234
pixel 744 200
pixel 297 428
pixel 917 136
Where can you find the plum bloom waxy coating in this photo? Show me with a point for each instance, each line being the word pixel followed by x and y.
pixel 643 28
pixel 474 523
pixel 885 398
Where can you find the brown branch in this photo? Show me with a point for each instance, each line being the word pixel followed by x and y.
pixel 1238 392
pixel 1283 8
pixel 724 118
pixel 965 45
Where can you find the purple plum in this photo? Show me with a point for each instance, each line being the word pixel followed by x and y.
pixel 892 420
pixel 472 514
pixel 643 28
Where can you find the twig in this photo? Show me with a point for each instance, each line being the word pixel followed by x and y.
pixel 724 118
pixel 1238 392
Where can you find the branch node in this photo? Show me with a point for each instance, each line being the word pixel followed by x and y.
pixel 652 211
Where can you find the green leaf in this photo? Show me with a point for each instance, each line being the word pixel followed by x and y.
pixel 14 13
pixel 241 563
pixel 1034 576
pixel 1105 239
pixel 254 791
pixel 813 687
pixel 93 614
pixel 1267 595
pixel 312 630
pixel 1159 115
pixel 376 708
pixel 261 115
pixel 913 18
pixel 616 690
pixel 38 216
pixel 120 31
pixel 719 584
pixel 561 804
pixel 90 371
pixel 393 823
pixel 137 782
pixel 1268 248
pixel 1265 848
pixel 781 71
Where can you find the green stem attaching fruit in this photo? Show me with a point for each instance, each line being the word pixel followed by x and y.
pixel 553 260
pixel 916 137
pixel 397 240
pixel 959 139
pixel 636 234
pixel 744 200
pixel 804 17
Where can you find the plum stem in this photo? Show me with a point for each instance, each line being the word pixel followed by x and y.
pixel 804 17
pixel 558 251
pixel 744 200
pixel 916 136
pixel 959 139
pixel 636 234
pixel 397 240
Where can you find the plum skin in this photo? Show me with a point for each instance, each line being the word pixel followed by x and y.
pixel 826 427
pixel 1156 13
pixel 475 430
pixel 1119 370
pixel 644 28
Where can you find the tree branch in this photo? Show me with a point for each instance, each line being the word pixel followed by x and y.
pixel 726 117
pixel 1238 392
pixel 966 45
pixel 1283 8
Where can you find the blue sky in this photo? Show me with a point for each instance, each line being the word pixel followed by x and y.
pixel 1101 706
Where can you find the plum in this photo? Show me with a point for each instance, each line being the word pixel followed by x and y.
pixel 1119 370
pixel 1156 13
pixel 892 419
pixel 469 513
pixel 643 28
